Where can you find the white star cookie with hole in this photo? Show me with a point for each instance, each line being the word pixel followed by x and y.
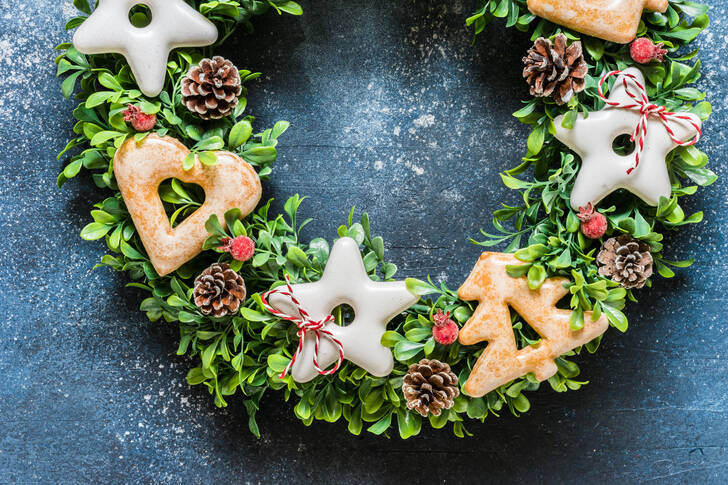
pixel 345 281
pixel 173 24
pixel 603 171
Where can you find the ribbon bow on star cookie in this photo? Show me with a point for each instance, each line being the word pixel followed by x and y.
pixel 305 325
pixel 642 104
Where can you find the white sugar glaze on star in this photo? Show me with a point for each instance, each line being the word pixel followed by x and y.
pixel 603 171
pixel 174 24
pixel 345 281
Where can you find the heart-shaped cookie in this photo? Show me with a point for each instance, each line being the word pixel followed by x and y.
pixel 140 168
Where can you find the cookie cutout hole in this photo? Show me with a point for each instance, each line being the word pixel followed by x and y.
pixel 564 303
pixel 623 145
pixel 140 16
pixel 524 333
pixel 180 199
pixel 344 315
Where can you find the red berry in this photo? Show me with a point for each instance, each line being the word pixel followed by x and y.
pixel 445 330
pixel 593 223
pixel 139 120
pixel 242 248
pixel 644 51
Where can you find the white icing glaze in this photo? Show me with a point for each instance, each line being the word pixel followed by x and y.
pixel 345 281
pixel 174 24
pixel 603 171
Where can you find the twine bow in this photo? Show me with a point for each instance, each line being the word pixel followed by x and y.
pixel 305 325
pixel 642 104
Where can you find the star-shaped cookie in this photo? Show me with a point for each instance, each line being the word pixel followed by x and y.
pixel 173 24
pixel 345 281
pixel 603 170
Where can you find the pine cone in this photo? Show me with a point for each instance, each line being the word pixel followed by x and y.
pixel 625 260
pixel 211 89
pixel 429 387
pixel 555 69
pixel 219 291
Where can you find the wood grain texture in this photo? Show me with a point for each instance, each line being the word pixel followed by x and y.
pixel 393 111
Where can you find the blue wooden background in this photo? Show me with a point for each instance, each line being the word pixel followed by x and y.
pixel 394 111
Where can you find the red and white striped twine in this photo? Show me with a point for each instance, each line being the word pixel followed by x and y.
pixel 647 109
pixel 305 325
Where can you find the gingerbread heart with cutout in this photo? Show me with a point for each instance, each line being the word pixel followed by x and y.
pixel 141 167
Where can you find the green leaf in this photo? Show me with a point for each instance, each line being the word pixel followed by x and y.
pixel 594 47
pixel 418 287
pixel 83 6
pixel 536 139
pixel 278 362
pixel 518 270
pixel 130 252
pixel 109 81
pixel 189 161
pixel 382 425
pixel 514 183
pixel 476 408
pixel 278 129
pixel 99 98
pixel 212 143
pixel 290 7
pixel 525 111
pixel 208 158
pixel 409 424
pixel 69 84
pixel 240 133
pixel 521 404
pixel 390 338
pixel 104 136
pixel 615 316
pixel 405 350
pixel 642 227
pixel 208 353
pixel 213 226
pixel 564 259
pixel 297 256
pixel 196 376
pixel 254 316
pixel 536 276
pixel 95 231
pixel 576 321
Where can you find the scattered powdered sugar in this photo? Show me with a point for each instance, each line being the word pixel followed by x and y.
pixel 424 121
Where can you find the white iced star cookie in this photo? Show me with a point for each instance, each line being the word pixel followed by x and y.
pixel 603 170
pixel 345 281
pixel 173 24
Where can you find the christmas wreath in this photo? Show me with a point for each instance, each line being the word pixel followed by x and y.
pixel 242 343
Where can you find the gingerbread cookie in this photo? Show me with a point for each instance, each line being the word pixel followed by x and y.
pixel 345 280
pixel 613 20
pixel 173 24
pixel 603 170
pixel 140 168
pixel 502 362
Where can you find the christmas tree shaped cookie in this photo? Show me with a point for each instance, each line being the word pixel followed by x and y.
pixel 496 292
